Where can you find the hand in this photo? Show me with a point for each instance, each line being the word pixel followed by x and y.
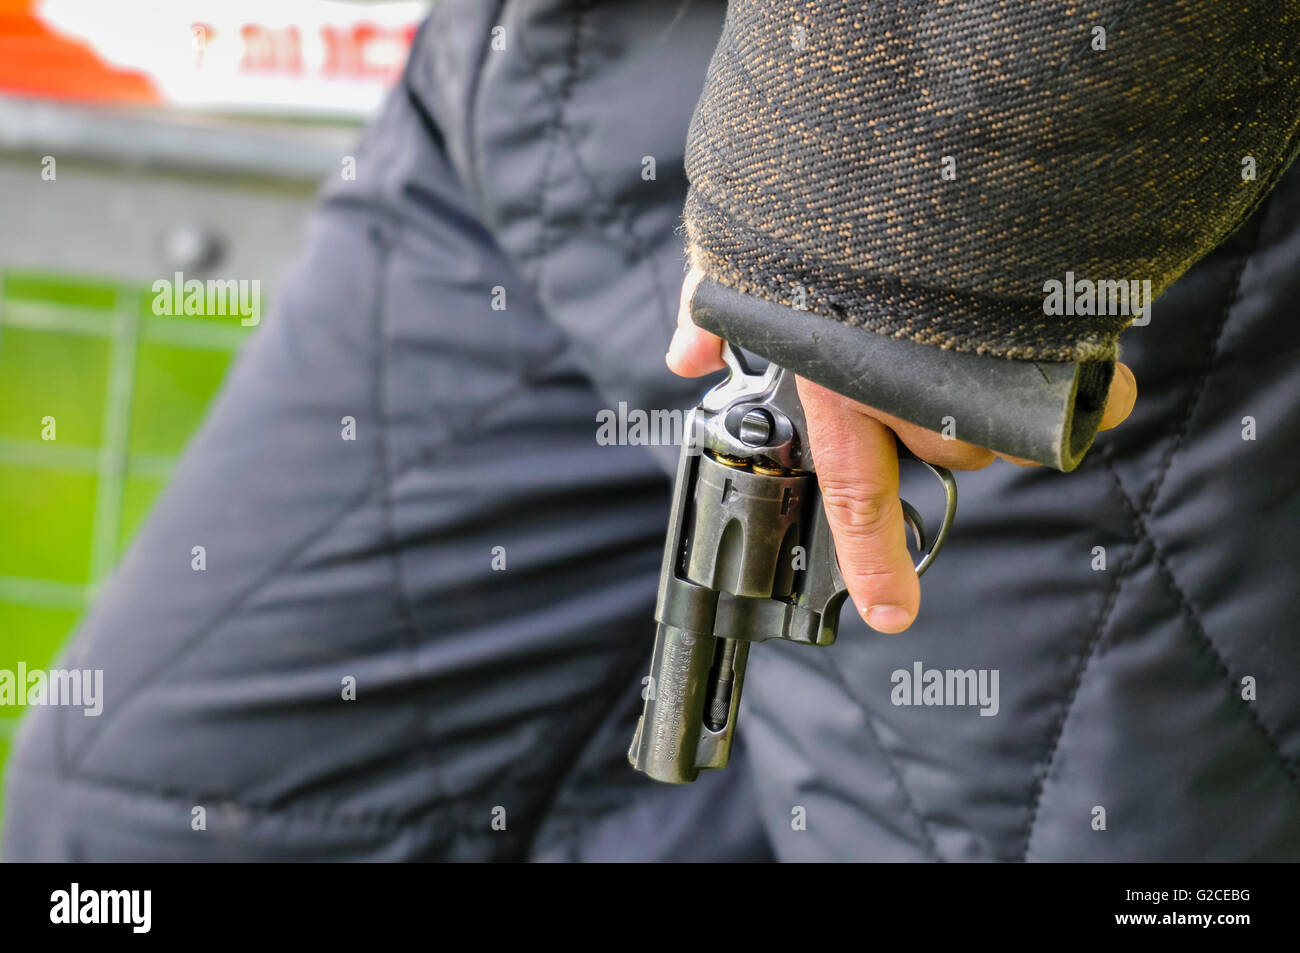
pixel 857 469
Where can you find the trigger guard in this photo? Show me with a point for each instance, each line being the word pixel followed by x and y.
pixel 945 477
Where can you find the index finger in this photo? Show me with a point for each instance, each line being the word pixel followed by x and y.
pixel 857 469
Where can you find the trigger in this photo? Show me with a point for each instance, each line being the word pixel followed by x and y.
pixel 914 522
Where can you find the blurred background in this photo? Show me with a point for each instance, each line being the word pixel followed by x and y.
pixel 139 139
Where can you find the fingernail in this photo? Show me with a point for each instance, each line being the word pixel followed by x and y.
pixel 887 618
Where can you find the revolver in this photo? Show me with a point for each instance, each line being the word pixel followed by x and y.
pixel 749 557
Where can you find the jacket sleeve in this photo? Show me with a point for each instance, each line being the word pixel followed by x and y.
pixel 954 208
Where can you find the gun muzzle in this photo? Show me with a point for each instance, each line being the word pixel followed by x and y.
pixel 687 723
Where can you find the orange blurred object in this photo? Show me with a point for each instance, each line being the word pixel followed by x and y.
pixel 37 61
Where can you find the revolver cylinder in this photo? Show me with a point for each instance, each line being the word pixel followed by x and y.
pixel 742 530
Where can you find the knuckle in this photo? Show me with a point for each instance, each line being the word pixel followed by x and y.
pixel 954 455
pixel 974 458
pixel 857 506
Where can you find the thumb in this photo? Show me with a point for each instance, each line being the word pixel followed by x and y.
pixel 857 468
pixel 693 352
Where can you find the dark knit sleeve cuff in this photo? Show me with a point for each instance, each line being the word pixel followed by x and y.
pixel 1047 412
pixel 960 195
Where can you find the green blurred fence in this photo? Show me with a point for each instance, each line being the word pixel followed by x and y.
pixel 125 390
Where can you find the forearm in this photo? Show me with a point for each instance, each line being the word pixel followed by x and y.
pixel 924 171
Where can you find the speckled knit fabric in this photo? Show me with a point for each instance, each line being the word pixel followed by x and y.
pixel 922 168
